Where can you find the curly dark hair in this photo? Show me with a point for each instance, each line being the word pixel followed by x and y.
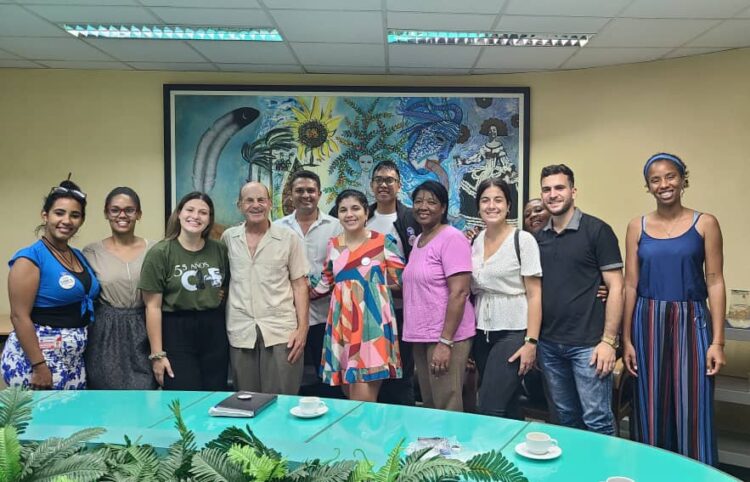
pixel 501 126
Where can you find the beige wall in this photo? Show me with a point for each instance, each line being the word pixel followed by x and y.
pixel 107 127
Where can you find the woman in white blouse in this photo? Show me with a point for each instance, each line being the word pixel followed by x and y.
pixel 117 351
pixel 506 281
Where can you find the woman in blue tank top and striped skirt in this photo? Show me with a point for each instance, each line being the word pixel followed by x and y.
pixel 672 342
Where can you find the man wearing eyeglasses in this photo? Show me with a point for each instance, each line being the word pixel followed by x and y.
pixel 389 216
pixel 268 302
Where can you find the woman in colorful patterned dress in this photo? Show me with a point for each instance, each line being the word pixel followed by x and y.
pixel 361 267
pixel 51 289
pixel 671 341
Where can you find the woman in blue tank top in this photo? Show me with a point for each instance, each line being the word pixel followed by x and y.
pixel 51 289
pixel 672 342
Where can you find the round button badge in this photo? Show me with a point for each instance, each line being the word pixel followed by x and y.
pixel 366 261
pixel 66 282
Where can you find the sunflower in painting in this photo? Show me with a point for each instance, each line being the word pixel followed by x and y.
pixel 314 129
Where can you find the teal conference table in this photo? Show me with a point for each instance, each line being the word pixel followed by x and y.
pixel 349 425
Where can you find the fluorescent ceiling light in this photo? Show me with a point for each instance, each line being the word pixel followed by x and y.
pixel 489 39
pixel 173 32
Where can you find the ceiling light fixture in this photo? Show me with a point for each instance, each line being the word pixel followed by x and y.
pixel 173 32
pixel 423 37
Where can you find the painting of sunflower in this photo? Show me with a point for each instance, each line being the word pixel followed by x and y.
pixel 314 130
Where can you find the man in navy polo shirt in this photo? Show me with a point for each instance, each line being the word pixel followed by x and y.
pixel 579 332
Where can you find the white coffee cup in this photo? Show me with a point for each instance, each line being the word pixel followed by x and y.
pixel 619 478
pixel 539 443
pixel 310 404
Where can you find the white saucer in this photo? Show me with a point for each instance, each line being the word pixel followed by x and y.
pixel 300 414
pixel 553 453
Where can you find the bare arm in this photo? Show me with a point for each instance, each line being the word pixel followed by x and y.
pixel 604 355
pixel 717 297
pixel 23 284
pixel 458 290
pixel 153 302
pixel 631 293
pixel 298 337
pixel 527 352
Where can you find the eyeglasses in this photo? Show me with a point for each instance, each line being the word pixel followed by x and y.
pixel 114 211
pixel 81 196
pixel 388 181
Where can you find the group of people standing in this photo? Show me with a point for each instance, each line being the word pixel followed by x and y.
pixel 381 293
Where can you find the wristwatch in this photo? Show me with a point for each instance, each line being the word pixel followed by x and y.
pixel 446 342
pixel 611 341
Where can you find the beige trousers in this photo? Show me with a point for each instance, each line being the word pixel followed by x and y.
pixel 443 392
pixel 265 369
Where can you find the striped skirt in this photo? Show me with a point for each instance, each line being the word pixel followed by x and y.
pixel 674 397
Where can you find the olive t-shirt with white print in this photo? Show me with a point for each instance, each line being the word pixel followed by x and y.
pixel 188 280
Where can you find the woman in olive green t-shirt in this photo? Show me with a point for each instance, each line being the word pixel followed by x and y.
pixel 181 280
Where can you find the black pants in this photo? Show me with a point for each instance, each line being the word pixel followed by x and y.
pixel 500 385
pixel 400 391
pixel 197 348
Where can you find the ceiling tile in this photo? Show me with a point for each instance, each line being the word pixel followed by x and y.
pixel 744 14
pixel 18 64
pixel 15 21
pixel 630 32
pixel 686 52
pixel 427 71
pixel 593 57
pixel 148 50
pixel 522 23
pixel 179 66
pixel 213 16
pixel 260 68
pixel 504 71
pixel 684 9
pixel 7 55
pixel 344 69
pixel 524 57
pixel 93 14
pixel 325 4
pixel 77 2
pixel 439 21
pixel 729 33
pixel 448 6
pixel 431 55
pixel 51 49
pixel 199 3
pixel 315 26
pixel 340 54
pixel 245 52
pixel 69 64
pixel 572 8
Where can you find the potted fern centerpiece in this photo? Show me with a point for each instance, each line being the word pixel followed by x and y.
pixel 236 455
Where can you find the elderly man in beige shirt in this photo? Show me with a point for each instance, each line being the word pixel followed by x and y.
pixel 267 307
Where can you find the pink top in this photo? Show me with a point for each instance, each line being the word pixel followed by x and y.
pixel 425 287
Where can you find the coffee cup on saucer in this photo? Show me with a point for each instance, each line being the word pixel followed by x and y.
pixel 539 443
pixel 619 478
pixel 310 405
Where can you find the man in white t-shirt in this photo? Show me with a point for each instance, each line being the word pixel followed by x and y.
pixel 315 229
pixel 389 216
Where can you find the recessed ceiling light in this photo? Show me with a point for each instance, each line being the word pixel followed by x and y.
pixel 173 32
pixel 423 37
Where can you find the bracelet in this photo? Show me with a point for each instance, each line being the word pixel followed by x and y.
pixel 611 341
pixel 528 339
pixel 157 356
pixel 34 365
pixel 721 344
pixel 446 342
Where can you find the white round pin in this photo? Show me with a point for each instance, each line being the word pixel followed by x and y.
pixel 66 282
pixel 366 261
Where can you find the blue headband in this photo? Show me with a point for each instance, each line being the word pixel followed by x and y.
pixel 663 156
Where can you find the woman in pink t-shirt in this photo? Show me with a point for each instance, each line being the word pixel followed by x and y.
pixel 438 317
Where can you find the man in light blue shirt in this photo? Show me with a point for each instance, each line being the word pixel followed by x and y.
pixel 315 228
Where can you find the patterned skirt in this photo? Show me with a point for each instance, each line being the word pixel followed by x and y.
pixel 117 351
pixel 62 349
pixel 674 397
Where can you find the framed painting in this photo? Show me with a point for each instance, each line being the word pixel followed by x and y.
pixel 216 137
